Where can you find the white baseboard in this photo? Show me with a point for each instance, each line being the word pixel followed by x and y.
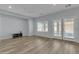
pixel 68 39
pixel 8 37
pixel 5 37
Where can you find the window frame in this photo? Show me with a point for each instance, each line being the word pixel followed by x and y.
pixel 61 25
pixel 44 24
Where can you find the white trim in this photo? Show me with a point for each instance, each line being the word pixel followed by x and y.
pixel 5 37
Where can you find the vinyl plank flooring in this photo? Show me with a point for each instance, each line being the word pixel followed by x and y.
pixel 38 45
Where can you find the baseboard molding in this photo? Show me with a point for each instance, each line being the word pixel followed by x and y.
pixel 7 37
pixel 40 36
pixel 72 40
pixel 10 37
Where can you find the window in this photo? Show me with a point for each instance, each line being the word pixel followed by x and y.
pixel 69 28
pixel 57 28
pixel 42 26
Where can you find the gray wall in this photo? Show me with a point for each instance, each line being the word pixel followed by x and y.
pixel 71 13
pixel 11 24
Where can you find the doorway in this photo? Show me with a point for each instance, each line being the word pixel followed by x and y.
pixel 64 28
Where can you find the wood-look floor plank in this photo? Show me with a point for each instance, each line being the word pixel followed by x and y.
pixel 38 45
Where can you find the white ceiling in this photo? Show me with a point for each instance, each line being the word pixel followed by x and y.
pixel 35 10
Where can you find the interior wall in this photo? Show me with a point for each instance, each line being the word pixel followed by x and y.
pixel 66 14
pixel 10 25
pixel 0 26
pixel 30 23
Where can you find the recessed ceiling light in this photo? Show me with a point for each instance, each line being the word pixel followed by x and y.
pixel 10 7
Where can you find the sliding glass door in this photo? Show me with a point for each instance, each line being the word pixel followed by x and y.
pixel 57 28
pixel 68 28
pixel 64 28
